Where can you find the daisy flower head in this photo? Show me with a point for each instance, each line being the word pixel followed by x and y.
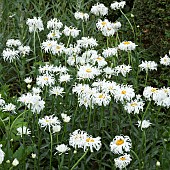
pixel 109 52
pixel 13 42
pixel 143 124
pixel 54 24
pixel 91 143
pixel 10 54
pixel 122 161
pixel 57 91
pixel 28 80
pixel 81 15
pixel 134 106
pixel 124 93
pixel 150 93
pixel 2 102
pixel 23 131
pixel 47 69
pixel 77 138
pixel 87 42
pixel 148 65
pixel 24 50
pixel 88 72
pixel 45 80
pixel 35 24
pixel 99 10
pixel 71 31
pixel 54 34
pixel 62 149
pixel 64 78
pixel 49 121
pixel 56 128
pixel 57 48
pixel 127 46
pixel 123 69
pixel 165 60
pixel 9 108
pixel 101 99
pixel 65 117
pixel 47 45
pixel 118 5
pixel 120 144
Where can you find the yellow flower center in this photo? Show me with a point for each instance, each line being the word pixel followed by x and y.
pixel 99 58
pixel 119 142
pixel 53 34
pixel 49 44
pixel 101 96
pixel 88 70
pixel 126 43
pixel 45 78
pixel 123 92
pixel 122 158
pixel 133 104
pixel 104 23
pixel 153 90
pixel 58 47
pixel 89 140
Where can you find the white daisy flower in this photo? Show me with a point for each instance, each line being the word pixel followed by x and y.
pixel 35 24
pixel 9 108
pixel 127 46
pixel 143 124
pixel 24 50
pixel 165 60
pixel 99 10
pixel 121 144
pixel 54 24
pixel 81 15
pixel 2 154
pixel 118 5
pixel 71 31
pixel 45 80
pixel 28 80
pixel 87 42
pixel 148 65
pixel 13 42
pixel 122 161
pixel 57 91
pixel 23 131
pixel 62 149
pixel 10 54
pixel 49 121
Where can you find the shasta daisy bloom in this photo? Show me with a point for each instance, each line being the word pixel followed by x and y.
pixel 127 46
pixel 45 80
pixel 54 34
pixel 54 24
pixel 118 5
pixel 71 31
pixel 2 102
pixel 143 124
pixel 123 69
pixel 81 15
pixel 101 62
pixel 108 72
pixel 36 90
pixel 99 10
pixel 47 45
pixel 47 69
pixel 10 54
pixel 64 78
pixel 24 50
pixel 122 161
pixel 62 149
pixel 121 144
pixel 49 121
pixel 56 128
pixel 57 91
pixel 165 60
pixel 65 117
pixel 35 24
pixel 102 25
pixel 134 106
pixel 57 49
pixel 23 131
pixel 116 25
pixel 150 93
pixel 87 72
pixel 101 99
pixel 91 143
pixel 148 65
pixel 109 52
pixel 13 42
pixel 28 80
pixel 124 92
pixel 77 139
pixel 2 154
pixel 9 108
pixel 87 42
pixel 72 50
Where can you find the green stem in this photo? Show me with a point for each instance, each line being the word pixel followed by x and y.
pixel 146 111
pixel 83 27
pixel 40 45
pixel 136 158
pixel 34 47
pixel 62 160
pixel 129 23
pixel 89 117
pixel 79 160
pixel 146 78
pixel 51 148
